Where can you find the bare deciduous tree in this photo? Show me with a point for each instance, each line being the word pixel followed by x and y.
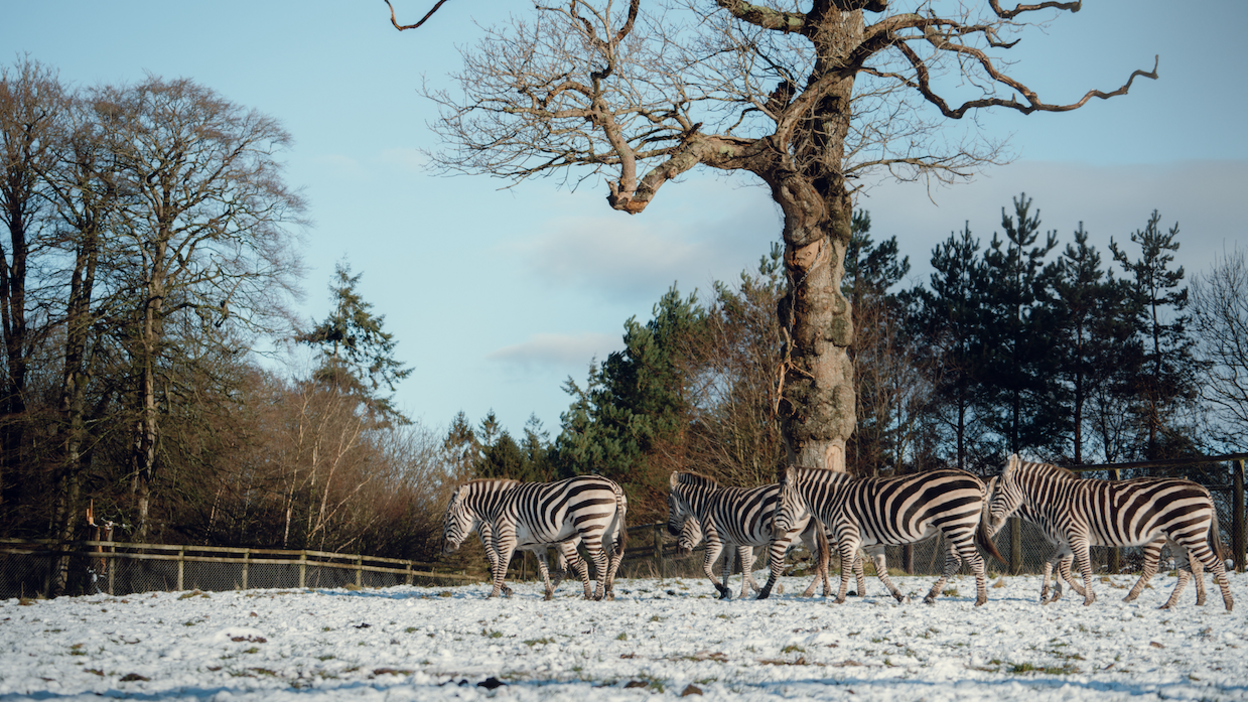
pixel 1220 306
pixel 206 231
pixel 811 101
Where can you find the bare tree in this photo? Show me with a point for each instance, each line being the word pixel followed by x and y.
pixel 811 102
pixel 207 231
pixel 32 109
pixel 1220 306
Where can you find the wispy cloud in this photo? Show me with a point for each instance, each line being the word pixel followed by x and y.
pixel 705 230
pixel 571 353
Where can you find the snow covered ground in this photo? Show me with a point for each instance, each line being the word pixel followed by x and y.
pixel 657 640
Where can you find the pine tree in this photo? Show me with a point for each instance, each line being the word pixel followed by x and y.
pixel 1165 380
pixel 1022 400
pixel 356 354
pixel 949 322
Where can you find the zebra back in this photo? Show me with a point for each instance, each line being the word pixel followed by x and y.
pixel 741 516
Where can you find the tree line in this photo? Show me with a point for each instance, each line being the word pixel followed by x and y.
pixel 1018 345
pixel 150 256
pixel 151 362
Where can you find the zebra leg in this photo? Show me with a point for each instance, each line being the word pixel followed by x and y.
pixel 1178 589
pixel 571 558
pixel 1064 567
pixel 849 550
pixel 1201 554
pixel 1152 556
pixel 506 548
pixel 602 563
pixel 971 555
pixel 776 564
pixel 746 555
pixel 713 549
pixel 881 571
pixel 541 567
pixel 486 533
pixel 952 561
pixel 730 555
pixel 1044 584
pixel 1079 547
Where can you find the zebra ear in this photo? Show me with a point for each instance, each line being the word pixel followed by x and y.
pixel 1010 466
pixel 675 479
pixel 789 475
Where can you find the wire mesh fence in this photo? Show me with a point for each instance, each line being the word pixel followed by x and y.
pixel 30 568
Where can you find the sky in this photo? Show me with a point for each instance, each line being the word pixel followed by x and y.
pixel 654 641
pixel 497 296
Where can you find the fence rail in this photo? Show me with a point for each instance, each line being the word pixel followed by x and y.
pixel 27 566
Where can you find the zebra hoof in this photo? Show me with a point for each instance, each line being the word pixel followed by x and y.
pixel 981 601
pixel 930 599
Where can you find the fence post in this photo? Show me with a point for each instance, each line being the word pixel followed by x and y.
pixel 112 567
pixel 181 555
pixel 1238 537
pixel 658 550
pixel 303 567
pixel 246 552
pixel 1113 559
pixel 1016 545
pixel 408 579
pixel 359 570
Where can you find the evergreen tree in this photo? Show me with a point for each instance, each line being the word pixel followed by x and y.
pixel 884 363
pixel 949 322
pixel 356 354
pixel 1022 401
pixel 628 422
pixel 1095 340
pixel 460 448
pixel 1165 380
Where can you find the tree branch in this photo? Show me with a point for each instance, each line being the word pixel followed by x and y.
pixel 402 27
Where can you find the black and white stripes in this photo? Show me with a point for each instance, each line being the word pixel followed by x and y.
pixel 510 515
pixel 737 519
pixel 874 512
pixel 1078 513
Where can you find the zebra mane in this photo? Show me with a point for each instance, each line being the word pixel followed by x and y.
pixel 693 479
pixel 1036 468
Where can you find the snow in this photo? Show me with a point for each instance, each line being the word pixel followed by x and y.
pixel 658 639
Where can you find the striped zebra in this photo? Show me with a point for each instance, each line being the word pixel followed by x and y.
pixel 1062 557
pixel 733 521
pixel 874 512
pixel 1150 512
pixel 510 515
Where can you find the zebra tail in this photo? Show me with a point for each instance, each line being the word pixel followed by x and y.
pixel 621 509
pixel 985 542
pixel 1217 538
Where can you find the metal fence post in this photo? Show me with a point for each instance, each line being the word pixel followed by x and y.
pixel 1238 537
pixel 1016 545
pixel 658 550
pixel 1113 560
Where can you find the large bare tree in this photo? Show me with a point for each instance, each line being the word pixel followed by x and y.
pixel 205 230
pixel 812 97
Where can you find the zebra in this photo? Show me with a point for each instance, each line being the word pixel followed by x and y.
pixel 736 518
pixel 875 512
pixel 1062 558
pixel 1149 512
pixel 510 515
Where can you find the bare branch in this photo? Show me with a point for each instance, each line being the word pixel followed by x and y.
pixel 1010 14
pixel 402 27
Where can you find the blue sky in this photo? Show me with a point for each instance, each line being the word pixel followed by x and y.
pixel 497 296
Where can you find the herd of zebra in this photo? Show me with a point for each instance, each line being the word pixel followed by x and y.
pixel 831 511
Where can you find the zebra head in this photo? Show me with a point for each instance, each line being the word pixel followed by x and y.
pixel 679 512
pixel 690 536
pixel 791 507
pixel 1007 495
pixel 457 523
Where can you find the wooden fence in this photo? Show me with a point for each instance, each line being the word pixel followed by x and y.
pixel 109 566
